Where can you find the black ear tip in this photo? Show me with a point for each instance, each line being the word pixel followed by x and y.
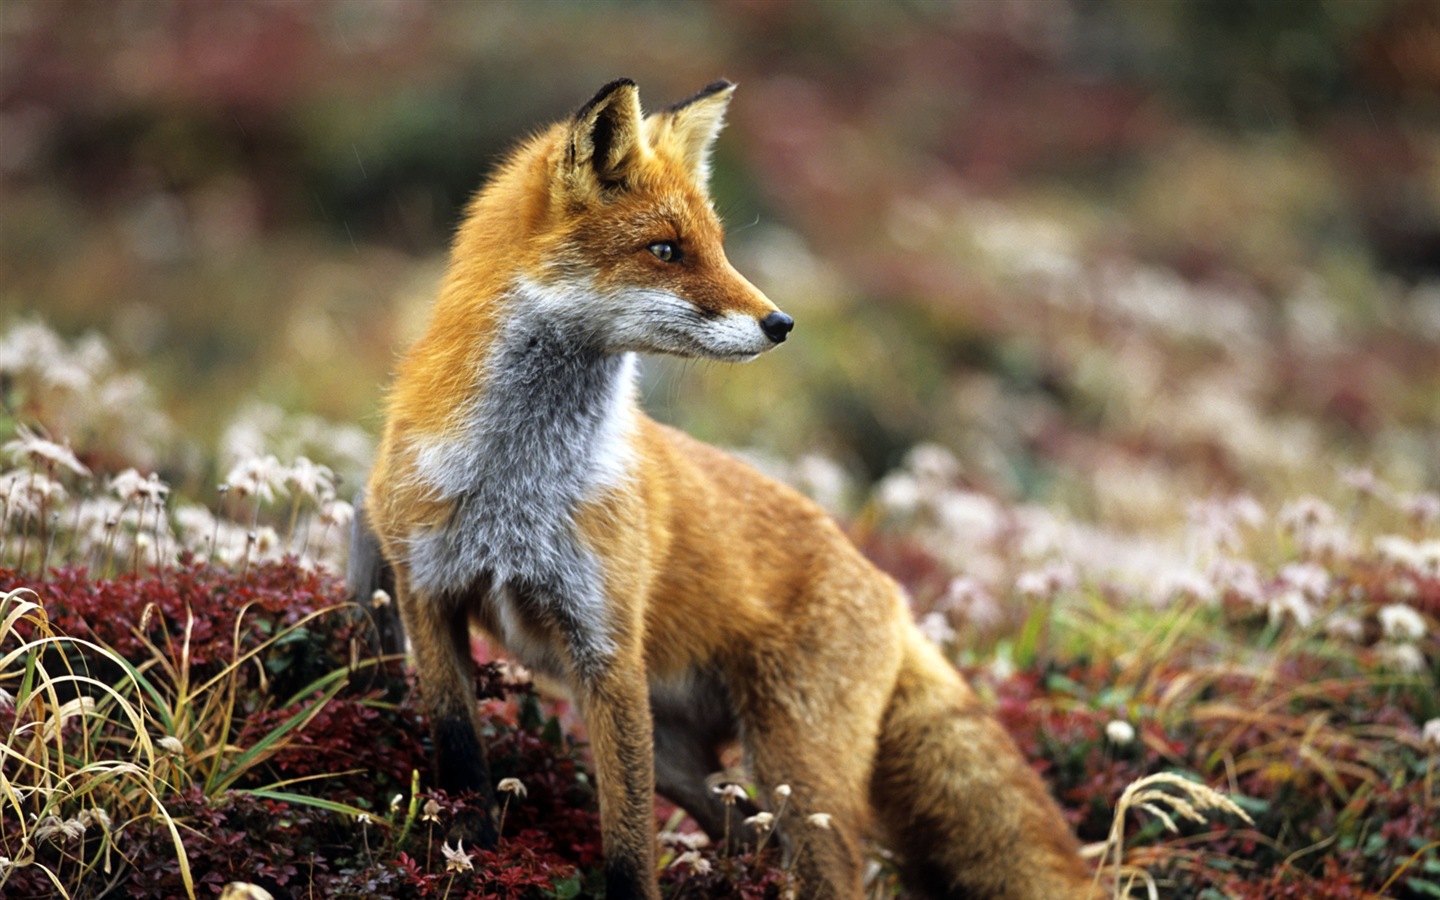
pixel 708 90
pixel 603 93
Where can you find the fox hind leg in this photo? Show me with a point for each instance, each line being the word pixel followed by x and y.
pixel 824 775
pixel 688 738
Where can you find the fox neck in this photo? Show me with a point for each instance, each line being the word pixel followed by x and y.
pixel 548 428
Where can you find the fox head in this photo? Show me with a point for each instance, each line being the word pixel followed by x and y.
pixel 625 249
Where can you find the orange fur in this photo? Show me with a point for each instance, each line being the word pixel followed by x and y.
pixel 726 606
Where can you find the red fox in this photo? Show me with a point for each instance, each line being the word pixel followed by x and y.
pixel 686 601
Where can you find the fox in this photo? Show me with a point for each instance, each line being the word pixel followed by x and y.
pixel 687 603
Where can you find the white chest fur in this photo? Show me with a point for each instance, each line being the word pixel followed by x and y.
pixel 551 429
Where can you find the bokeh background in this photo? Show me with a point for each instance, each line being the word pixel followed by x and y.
pixel 1110 253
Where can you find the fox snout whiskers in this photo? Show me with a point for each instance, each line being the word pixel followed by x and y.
pixel 777 326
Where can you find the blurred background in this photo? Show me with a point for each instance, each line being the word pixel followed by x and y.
pixel 1110 253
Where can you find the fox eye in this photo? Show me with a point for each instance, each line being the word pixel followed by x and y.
pixel 666 251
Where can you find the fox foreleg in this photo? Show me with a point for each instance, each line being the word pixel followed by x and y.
pixel 615 701
pixel 439 633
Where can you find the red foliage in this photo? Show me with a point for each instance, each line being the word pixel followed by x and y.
pixel 371 733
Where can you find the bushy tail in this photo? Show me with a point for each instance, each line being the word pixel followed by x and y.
pixel 368 573
pixel 968 815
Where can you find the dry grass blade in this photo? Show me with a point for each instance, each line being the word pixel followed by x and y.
pixel 70 778
pixel 1191 802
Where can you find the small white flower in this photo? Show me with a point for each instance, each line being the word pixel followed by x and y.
pixel 1362 482
pixel 1218 522
pixel 1430 734
pixel 267 540
pixel 38 450
pixel 1239 578
pixel 932 464
pixel 456 859
pixel 171 746
pixel 761 821
pixel 431 811
pixel 380 599
pixel 364 819
pixel 1120 732
pixel 1187 584
pixel 337 513
pixel 130 485
pixel 1422 509
pixel 1403 658
pixel 1401 623
pixel 395 801
pixel 29 492
pixel 1046 583
pixel 898 494
pixel 967 517
pixel 94 816
pixel 310 479
pixel 511 786
pixel 968 598
pixel 729 793
pixel 782 791
pixel 1345 627
pixel 258 476
pixel 690 840
pixel 936 627
pixel 1308 578
pixel 52 828
pixel 694 861
pixel 1328 542
pixel 822 479
pixel 819 820
pixel 1290 604
pixel 510 672
pixel 1299 516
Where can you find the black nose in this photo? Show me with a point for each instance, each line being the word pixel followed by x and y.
pixel 776 326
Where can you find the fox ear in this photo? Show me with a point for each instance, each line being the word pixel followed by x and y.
pixel 689 128
pixel 605 133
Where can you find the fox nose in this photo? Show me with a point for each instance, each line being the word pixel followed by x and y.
pixel 777 326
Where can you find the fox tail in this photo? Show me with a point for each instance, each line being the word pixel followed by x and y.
pixel 371 584
pixel 951 788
